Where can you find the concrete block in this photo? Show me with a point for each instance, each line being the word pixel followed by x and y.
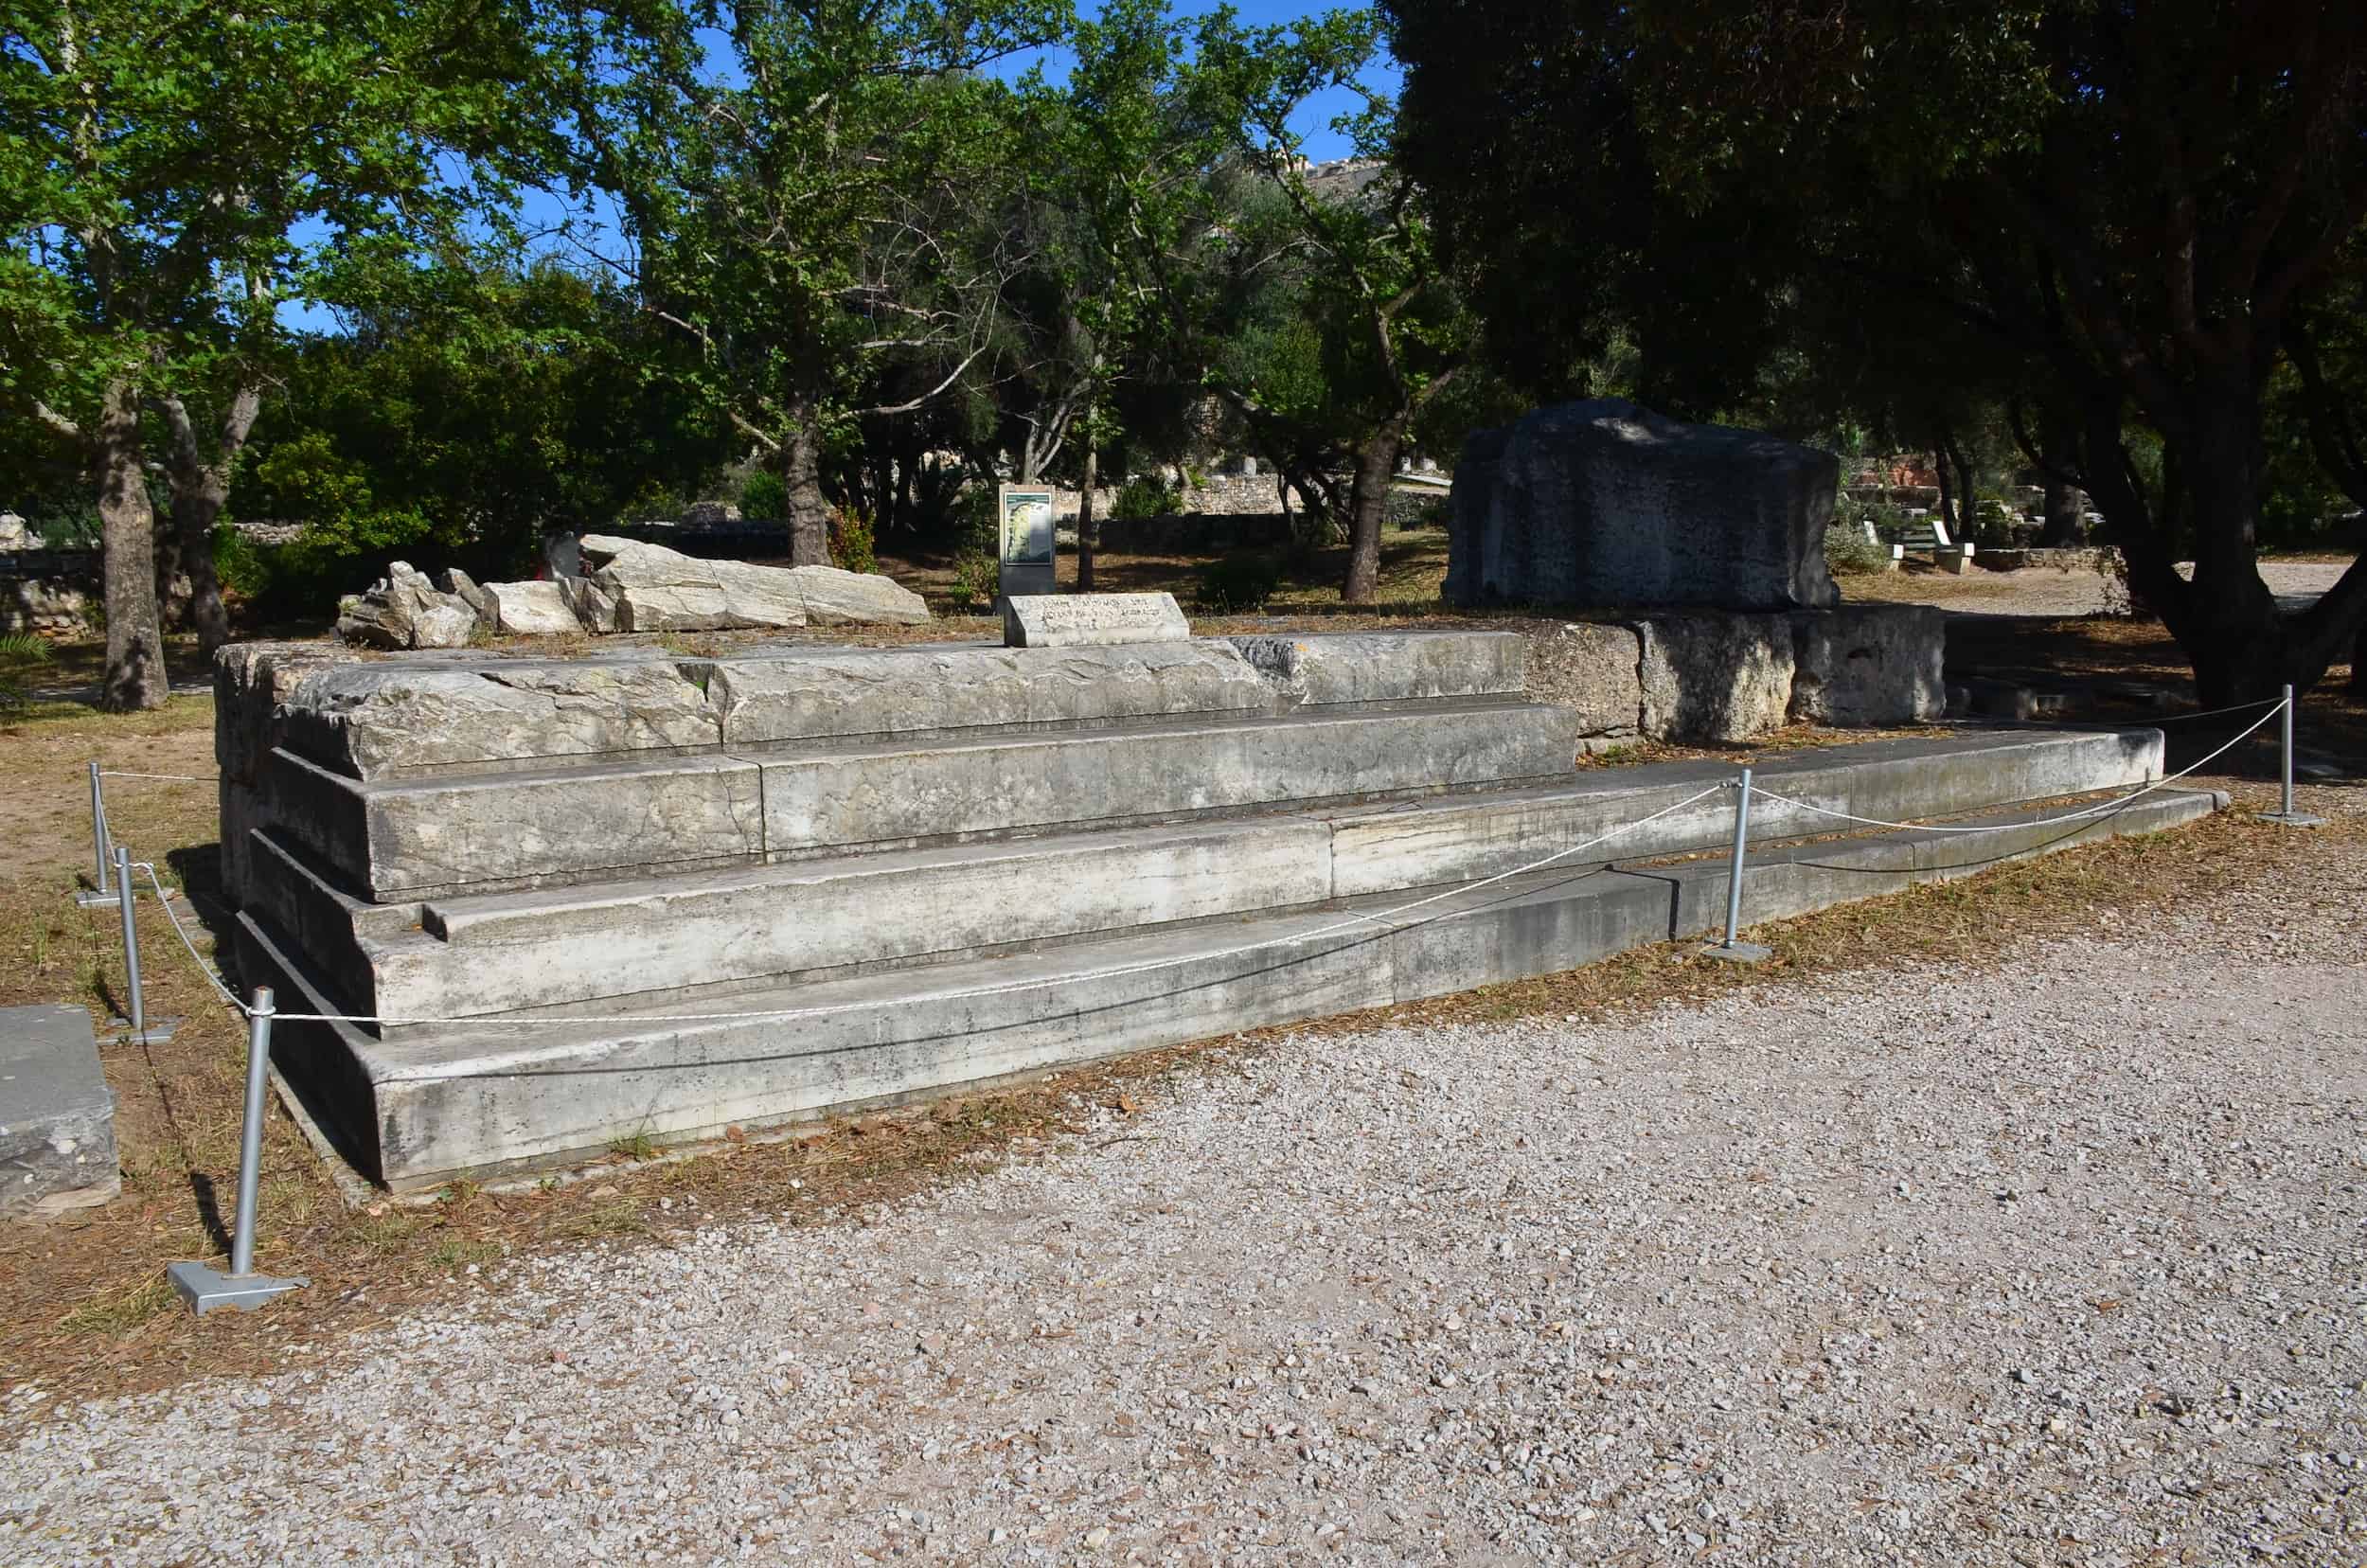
pixel 1869 664
pixel 1389 667
pixel 57 1116
pixel 1083 620
pixel 1717 678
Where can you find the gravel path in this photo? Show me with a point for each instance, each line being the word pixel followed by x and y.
pixel 2061 1262
pixel 2048 592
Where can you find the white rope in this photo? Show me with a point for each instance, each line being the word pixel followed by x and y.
pixel 1117 972
pixel 163 902
pixel 2102 810
pixel 170 778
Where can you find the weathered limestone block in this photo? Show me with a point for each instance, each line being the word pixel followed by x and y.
pixel 403 610
pixel 661 590
pixel 906 690
pixel 835 598
pixel 1592 669
pixel 1090 621
pixel 589 602
pixel 1606 503
pixel 252 682
pixel 531 610
pixel 1715 678
pixel 384 721
pixel 56 1117
pixel 1388 666
pixel 452 580
pixel 1869 664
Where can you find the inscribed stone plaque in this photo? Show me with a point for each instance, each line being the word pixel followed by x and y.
pixel 1025 563
pixel 1078 620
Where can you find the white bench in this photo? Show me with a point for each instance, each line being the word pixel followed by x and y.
pixel 1926 534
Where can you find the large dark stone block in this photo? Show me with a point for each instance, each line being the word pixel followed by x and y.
pixel 1605 503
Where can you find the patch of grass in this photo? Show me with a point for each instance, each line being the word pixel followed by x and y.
pixel 617 1217
pixel 638 1146
pixel 457 1252
pixel 118 1311
pixel 391 1229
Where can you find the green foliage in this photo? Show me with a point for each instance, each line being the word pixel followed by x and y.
pixel 851 546
pixel 22 654
pixel 1238 585
pixel 487 408
pixel 1144 496
pixel 2105 229
pixel 764 498
pixel 975 576
pixel 1849 553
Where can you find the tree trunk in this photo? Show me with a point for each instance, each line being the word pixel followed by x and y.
pixel 196 508
pixel 801 475
pixel 1947 492
pixel 1375 460
pixel 136 675
pixel 1088 526
pixel 2235 633
pixel 2064 526
pixel 200 487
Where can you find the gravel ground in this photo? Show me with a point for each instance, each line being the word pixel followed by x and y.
pixel 2050 593
pixel 2060 1262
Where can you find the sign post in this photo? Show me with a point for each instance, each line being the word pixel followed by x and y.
pixel 1024 564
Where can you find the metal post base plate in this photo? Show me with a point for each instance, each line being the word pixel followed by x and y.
pixel 2294 819
pixel 89 899
pixel 208 1289
pixel 159 1030
pixel 1737 952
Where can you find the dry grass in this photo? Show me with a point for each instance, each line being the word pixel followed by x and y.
pixel 82 1304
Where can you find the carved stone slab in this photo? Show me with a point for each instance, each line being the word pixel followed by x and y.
pixel 1086 620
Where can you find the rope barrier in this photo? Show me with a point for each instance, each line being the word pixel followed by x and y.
pixel 163 902
pixel 170 778
pixel 2104 809
pixel 2270 703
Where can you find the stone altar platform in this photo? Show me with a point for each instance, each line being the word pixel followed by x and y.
pixel 581 900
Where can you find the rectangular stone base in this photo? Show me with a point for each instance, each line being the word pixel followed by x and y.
pixel 462 954
pixel 483 1099
pixel 57 1116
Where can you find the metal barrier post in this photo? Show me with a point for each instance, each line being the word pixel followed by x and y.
pixel 2285 813
pixel 205 1288
pixel 1733 949
pixel 103 894
pixel 136 1020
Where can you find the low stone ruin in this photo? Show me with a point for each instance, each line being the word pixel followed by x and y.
pixel 1607 502
pixel 1723 679
pixel 632 586
pixel 652 895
